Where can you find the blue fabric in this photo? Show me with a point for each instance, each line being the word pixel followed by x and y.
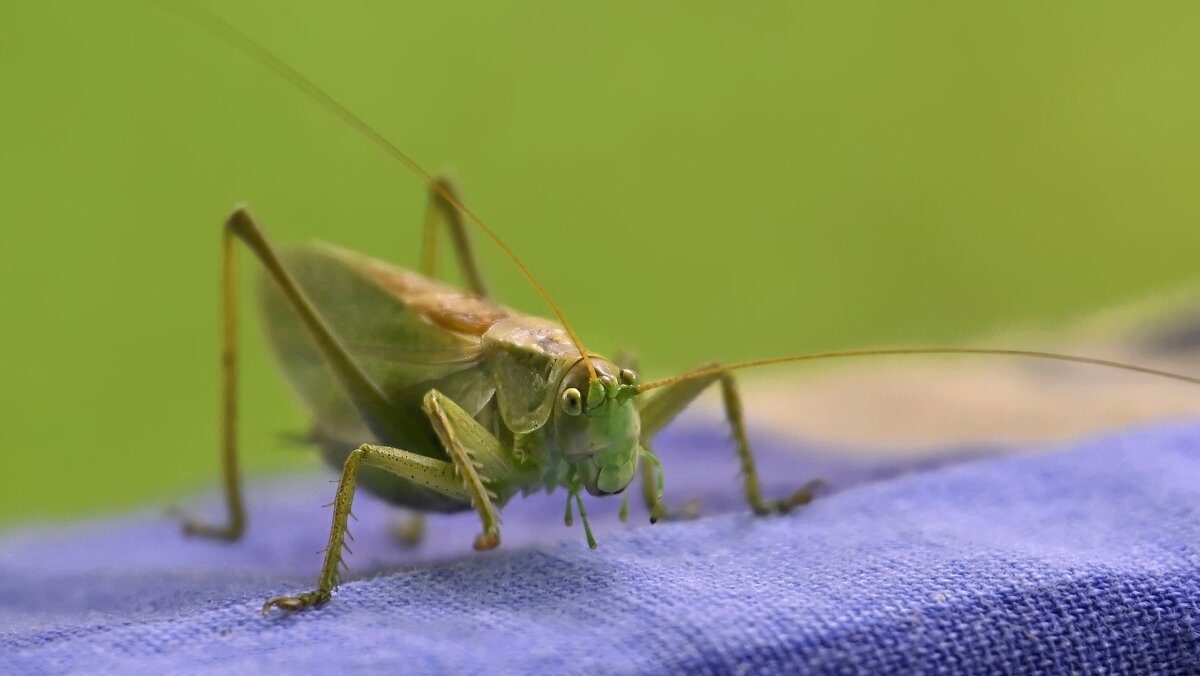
pixel 1083 559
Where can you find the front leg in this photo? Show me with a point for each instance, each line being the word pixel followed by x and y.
pixel 660 409
pixel 479 458
pixel 627 358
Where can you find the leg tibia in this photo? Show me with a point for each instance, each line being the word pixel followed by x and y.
pixel 733 412
pixel 232 529
pixel 441 211
pixel 434 474
pixel 663 407
pixel 481 461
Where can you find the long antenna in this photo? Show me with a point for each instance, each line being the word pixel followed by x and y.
pixel 228 33
pixel 845 354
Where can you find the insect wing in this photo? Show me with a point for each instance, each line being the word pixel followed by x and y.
pixel 385 327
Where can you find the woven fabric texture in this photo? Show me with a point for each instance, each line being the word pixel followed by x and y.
pixel 1083 558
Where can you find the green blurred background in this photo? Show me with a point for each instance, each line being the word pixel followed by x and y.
pixel 755 179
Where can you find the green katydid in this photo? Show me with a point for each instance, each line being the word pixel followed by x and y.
pixel 439 399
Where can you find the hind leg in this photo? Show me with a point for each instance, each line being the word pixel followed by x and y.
pixel 362 391
pixel 441 211
pixel 235 521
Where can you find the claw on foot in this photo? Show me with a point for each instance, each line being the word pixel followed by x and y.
pixel 689 512
pixel 228 532
pixel 801 497
pixel 488 539
pixel 657 513
pixel 295 603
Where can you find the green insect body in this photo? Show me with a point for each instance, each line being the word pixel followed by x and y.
pixel 435 398
pixel 440 400
pixel 517 378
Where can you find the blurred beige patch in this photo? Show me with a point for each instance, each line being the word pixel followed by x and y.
pixel 900 405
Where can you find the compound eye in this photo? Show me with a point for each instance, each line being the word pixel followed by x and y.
pixel 628 377
pixel 572 401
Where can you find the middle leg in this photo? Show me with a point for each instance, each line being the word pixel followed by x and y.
pixel 672 400
pixel 437 475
